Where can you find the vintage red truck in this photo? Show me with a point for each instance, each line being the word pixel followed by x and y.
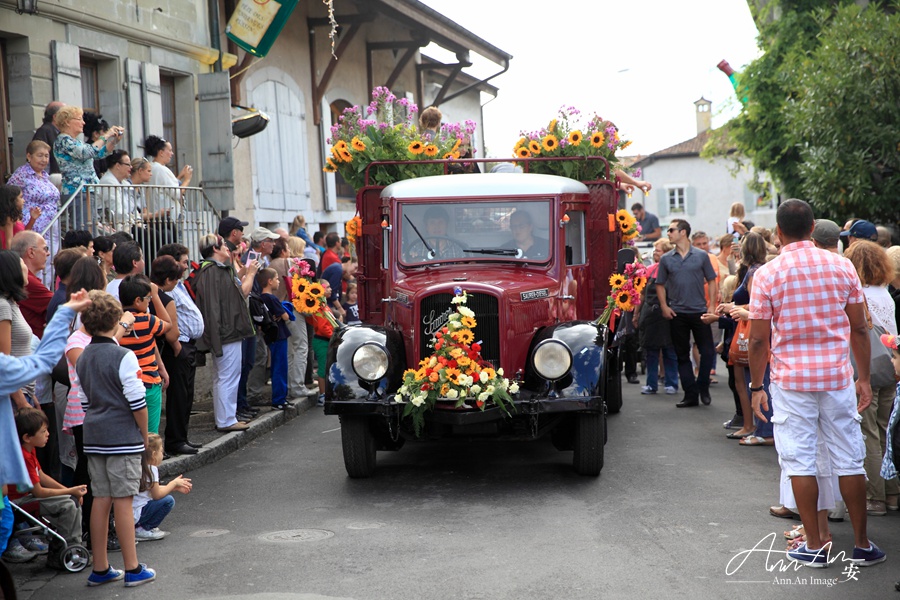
pixel 536 309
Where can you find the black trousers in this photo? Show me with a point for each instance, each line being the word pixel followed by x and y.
pixel 682 326
pixel 180 393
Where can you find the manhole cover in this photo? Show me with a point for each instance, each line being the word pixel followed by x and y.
pixel 365 525
pixel 298 535
pixel 209 533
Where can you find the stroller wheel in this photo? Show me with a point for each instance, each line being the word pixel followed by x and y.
pixel 75 558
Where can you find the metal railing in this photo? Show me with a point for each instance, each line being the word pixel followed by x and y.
pixel 153 215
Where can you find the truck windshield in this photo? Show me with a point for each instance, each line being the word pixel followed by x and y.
pixel 474 231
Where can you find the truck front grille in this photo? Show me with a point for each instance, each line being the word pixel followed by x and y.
pixel 436 309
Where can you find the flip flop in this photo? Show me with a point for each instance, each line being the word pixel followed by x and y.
pixel 755 440
pixel 734 435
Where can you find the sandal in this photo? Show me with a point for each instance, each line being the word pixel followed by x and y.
pixel 794 533
pixel 737 435
pixel 755 440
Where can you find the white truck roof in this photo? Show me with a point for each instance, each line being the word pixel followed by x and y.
pixel 484 184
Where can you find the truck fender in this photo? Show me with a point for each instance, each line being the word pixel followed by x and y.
pixel 343 383
pixel 587 342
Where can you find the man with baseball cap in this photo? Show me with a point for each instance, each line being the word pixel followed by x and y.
pixel 232 230
pixel 861 230
pixel 826 234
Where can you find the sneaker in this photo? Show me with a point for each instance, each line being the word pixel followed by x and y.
pixel 35 545
pixel 736 422
pixel 95 579
pixel 647 390
pixel 321 400
pixel 671 390
pixel 868 557
pixel 17 553
pixel 145 576
pixel 148 536
pixel 312 388
pixel 812 558
pixel 876 508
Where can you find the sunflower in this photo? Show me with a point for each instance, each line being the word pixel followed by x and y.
pixel 341 145
pixel 520 143
pixel 616 280
pixel 431 150
pixel 623 301
pixel 596 139
pixel 452 375
pixel 299 285
pixel 639 283
pixel 523 153
pixel 456 146
pixel 489 372
pixel 535 147
pixel 575 138
pixel 330 166
pixel 550 142
pixel 358 144
pixel 345 155
pixel 464 336
pixel 422 373
pixel 451 155
pixel 416 147
pixel 463 361
pixel 456 352
pixel 336 154
pixel 306 304
pixel 468 322
pixel 315 290
pixel 626 144
pixel 444 389
pixel 622 216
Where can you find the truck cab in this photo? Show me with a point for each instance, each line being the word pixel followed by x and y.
pixel 534 254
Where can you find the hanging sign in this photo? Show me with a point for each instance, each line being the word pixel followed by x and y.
pixel 255 24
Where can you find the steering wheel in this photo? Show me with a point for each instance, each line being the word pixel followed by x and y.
pixel 444 248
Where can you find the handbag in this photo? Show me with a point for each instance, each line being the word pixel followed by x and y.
pixel 739 351
pixel 881 371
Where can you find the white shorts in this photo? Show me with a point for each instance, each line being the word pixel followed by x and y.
pixel 829 492
pixel 799 418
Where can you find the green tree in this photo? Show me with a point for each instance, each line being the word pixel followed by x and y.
pixel 845 118
pixel 819 106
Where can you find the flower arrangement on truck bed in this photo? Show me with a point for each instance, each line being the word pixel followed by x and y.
pixel 455 372
pixel 386 130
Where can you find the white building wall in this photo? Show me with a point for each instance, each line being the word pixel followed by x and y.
pixel 711 189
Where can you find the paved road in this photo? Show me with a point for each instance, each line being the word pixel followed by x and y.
pixel 675 503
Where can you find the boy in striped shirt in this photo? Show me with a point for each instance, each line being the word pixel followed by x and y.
pixel 136 292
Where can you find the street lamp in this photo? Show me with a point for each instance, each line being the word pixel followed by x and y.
pixel 27 6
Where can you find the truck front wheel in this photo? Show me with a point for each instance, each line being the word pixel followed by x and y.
pixel 589 434
pixel 359 446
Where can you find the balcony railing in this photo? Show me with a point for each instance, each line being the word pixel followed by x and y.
pixel 153 215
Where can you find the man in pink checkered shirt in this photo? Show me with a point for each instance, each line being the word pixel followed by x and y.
pixel 810 303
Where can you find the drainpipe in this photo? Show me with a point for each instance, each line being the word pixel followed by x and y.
pixel 214 40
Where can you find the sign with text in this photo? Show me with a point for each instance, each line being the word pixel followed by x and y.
pixel 255 24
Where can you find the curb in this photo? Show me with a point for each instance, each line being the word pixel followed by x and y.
pixel 230 442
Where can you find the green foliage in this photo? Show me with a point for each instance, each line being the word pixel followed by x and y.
pixel 822 103
pixel 846 117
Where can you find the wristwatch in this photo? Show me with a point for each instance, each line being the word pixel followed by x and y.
pixel 125 326
pixel 757 389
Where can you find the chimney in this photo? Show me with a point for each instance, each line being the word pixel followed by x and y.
pixel 704 115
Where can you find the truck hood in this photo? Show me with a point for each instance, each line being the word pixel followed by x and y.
pixel 520 285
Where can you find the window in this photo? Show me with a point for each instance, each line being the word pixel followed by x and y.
pixel 342 188
pixel 90 86
pixel 167 95
pixel 676 200
pixel 575 238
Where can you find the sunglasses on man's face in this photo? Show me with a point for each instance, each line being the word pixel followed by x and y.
pixel 672 229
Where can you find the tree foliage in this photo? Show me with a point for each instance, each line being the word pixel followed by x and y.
pixel 820 105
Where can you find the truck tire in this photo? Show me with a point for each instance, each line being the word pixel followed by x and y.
pixel 589 441
pixel 359 446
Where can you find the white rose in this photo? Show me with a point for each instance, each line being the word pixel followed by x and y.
pixel 418 401
pixel 490 389
pixel 452 393
pixel 399 399
pixel 500 372
pixel 466 311
pixel 514 388
pixel 483 396
pixel 454 317
pixel 483 377
pixel 476 389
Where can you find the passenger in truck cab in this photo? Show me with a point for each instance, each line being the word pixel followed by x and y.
pixel 521 226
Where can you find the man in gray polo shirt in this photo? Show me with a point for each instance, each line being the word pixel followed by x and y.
pixel 680 288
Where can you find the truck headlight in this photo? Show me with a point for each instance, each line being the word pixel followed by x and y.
pixel 552 359
pixel 370 361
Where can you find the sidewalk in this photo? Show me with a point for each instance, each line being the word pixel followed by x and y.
pixel 217 444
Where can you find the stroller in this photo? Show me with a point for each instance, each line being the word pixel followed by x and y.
pixel 70 557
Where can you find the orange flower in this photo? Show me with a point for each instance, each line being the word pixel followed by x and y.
pixel 416 147
pixel 535 147
pixel 434 377
pixel 523 153
pixel 431 150
pixel 575 138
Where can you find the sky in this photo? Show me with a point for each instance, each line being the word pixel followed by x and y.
pixel 638 63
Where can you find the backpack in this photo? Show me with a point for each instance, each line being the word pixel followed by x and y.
pixel 192 277
pixel 262 318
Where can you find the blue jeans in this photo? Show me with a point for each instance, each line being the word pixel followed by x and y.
pixel 279 352
pixel 6 523
pixel 248 355
pixel 670 364
pixel 155 511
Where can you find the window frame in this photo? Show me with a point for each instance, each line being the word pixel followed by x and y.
pixel 677 189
